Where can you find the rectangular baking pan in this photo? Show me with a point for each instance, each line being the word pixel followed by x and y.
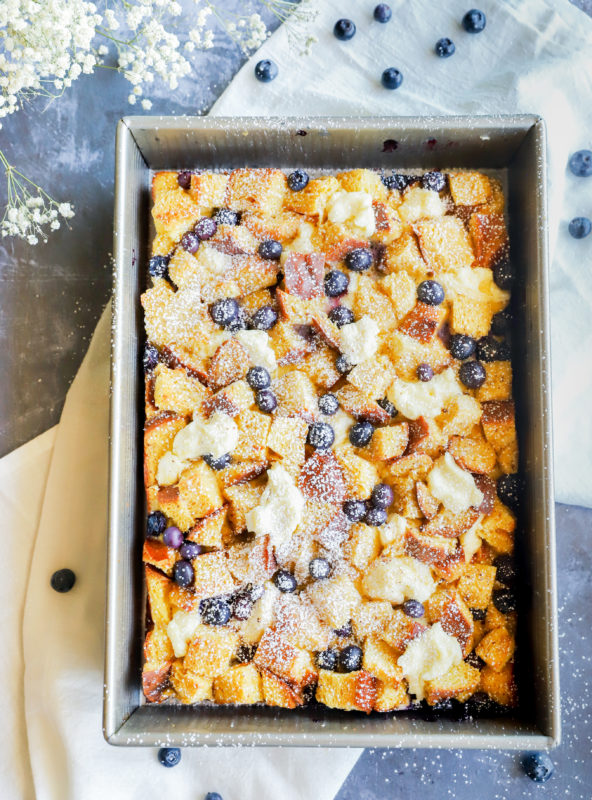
pixel 513 147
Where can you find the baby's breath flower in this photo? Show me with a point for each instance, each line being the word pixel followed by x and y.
pixel 146 104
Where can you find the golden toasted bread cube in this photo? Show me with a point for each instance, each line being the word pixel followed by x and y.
pixel 158 440
pixel 282 226
pixel 495 619
pixel 497 528
pixel 496 648
pixel 370 618
pixel 462 414
pixel 387 443
pixel 334 599
pixel 500 686
pixel 198 490
pixel 232 240
pixel 388 224
pixel 287 437
pixel 460 682
pixel 229 363
pixel 469 188
pixel 357 403
pixel 498 383
pixel 407 353
pixel 241 685
pixel 190 687
pixel 155 682
pixel 241 471
pixel 290 663
pixel 449 609
pixel 399 287
pixel 162 244
pixel 496 203
pixel 360 475
pixel 404 255
pixel 277 692
pixel 241 499
pixel 212 576
pixel 426 501
pixel 252 273
pixel 445 244
pixel 363 545
pixel 314 197
pixel 210 651
pixel 296 396
pixel 209 530
pixel 472 454
pixel 490 238
pixel 208 189
pixel 470 316
pixel 498 421
pixel 158 649
pixel 170 503
pixel 446 523
pixel 476 585
pixel 158 588
pixel 390 696
pixel 254 301
pixel 363 180
pixel 422 322
pixel 298 310
pixel 174 211
pixel 156 303
pixel 231 400
pixel 157 554
pixel 373 376
pixel 287 344
pixel 253 429
pixel 380 660
pixel 258 190
pixel 400 630
pixel 351 691
pixel 426 437
pixel 320 367
pixel 370 301
pixel 184 268
pixel 175 391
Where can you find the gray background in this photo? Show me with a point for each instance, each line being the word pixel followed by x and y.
pixel 51 298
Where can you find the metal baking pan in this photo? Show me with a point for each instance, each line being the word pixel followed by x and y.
pixel 514 148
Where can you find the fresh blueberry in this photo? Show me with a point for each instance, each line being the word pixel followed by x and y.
pixel 241 604
pixel 580 227
pixel 504 600
pixel 395 181
pixel 382 13
pixel 158 266
pixel 264 318
pixel 445 48
pixel 285 581
pixel 425 372
pixel 344 30
pixel 375 517
pixel 538 767
pixel 297 180
pixel 581 163
pixel 435 181
pixel 184 179
pixel 173 537
pixel 488 349
pixel 430 292
pixel 336 283
pixel 342 364
pixel 183 573
pixel 506 569
pixel 319 568
pixel 62 580
pixel 266 70
pixel 226 216
pixel 479 613
pixel 327 659
pixel 472 374
pixel 354 510
pixel 320 436
pixel 217 462
pixel 350 658
pixel 462 346
pixel 413 608
pixel 205 227
pixel 382 496
pixel 169 756
pixel 213 796
pixel 190 550
pixel 156 523
pixel 389 407
pixel 328 404
pixel 224 311
pixel 359 259
pixel 266 400
pixel 270 249
pixel 341 315
pixel 190 242
pixel 150 357
pixel 503 275
pixel 474 21
pixel 361 433
pixel 391 78
pixel 258 378
pixel 214 611
pixel 509 489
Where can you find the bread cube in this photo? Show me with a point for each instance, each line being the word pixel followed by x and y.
pixel 369 300
pixel 373 376
pixel 229 363
pixel 476 585
pixel 252 273
pixel 450 525
pixel 350 691
pixel 388 224
pixel 390 696
pixel 277 692
pixel 189 686
pixel 363 545
pixel 281 226
pixel 469 188
pixel 498 422
pixel 370 618
pixel 496 648
pixel 241 471
pixel 320 367
pixel 198 490
pixel 159 555
pixel 399 287
pixel 210 651
pixel 472 454
pixel 363 180
pixel 334 599
pixel 253 429
pixel 470 316
pixel 174 212
pixel 462 414
pixel 360 405
pixel 498 383
pixel 313 199
pixel 380 660
pixel 444 243
pixel 175 391
pixel 490 238
pixel 449 609
pixel 258 190
pixel 422 322
pixel 158 588
pixel 321 478
pixel 296 396
pixel 209 531
pixel 407 353
pixel 426 501
pixel 497 528
pixel 242 499
pixel 289 663
pixel 212 576
pixel 388 443
pixel 231 400
pixel 500 686
pixel 460 682
pixel 360 475
pixel 155 682
pixel 241 685
pixel 404 255
pixel 158 440
pixel 400 630
pixel 158 649
pixel 426 437
pixel 287 437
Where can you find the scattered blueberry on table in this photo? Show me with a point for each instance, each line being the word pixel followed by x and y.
pixel 445 48
pixel 581 163
pixel 169 756
pixel 474 21
pixel 391 78
pixel 538 767
pixel 266 70
pixel 213 796
pixel 344 30
pixel 382 13
pixel 62 580
pixel 580 227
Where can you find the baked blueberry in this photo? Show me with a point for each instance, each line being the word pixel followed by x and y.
pixel 413 608
pixel 479 613
pixel 344 30
pixel 434 180
pixel 354 510
pixel 241 604
pixel 158 266
pixel 155 523
pixel 285 581
pixel 245 653
pixel 389 407
pixel 359 259
pixel 382 496
pixel 190 242
pixel 509 488
pixel 391 78
pixel 580 227
pixel 504 600
pixel 214 611
pixel 266 400
pixel 506 569
pixel 226 216
pixel 538 767
pixel 320 435
pixel 581 163
pixel 219 462
pixel 169 756
pixel 473 659
pixel 430 292
pixel 258 378
pixel 270 249
pixel 375 517
pixel 173 537
pixel 297 180
pixel 461 346
pixel 500 322
pixel 150 357
pixel 382 13
pixel 503 275
pixel 342 364
pixel 328 404
pixel 474 21
pixel 361 433
pixel 327 659
pixel 319 568
pixel 184 179
pixel 425 372
pixel 488 349
pixel 345 632
pixel 445 48
pixel 62 580
pixel 205 227
pixel 183 573
pixel 472 374
pixel 341 315
pixel 336 283
pixel 350 658
pixel 264 318
pixel 190 550
pixel 266 70
pixel 224 311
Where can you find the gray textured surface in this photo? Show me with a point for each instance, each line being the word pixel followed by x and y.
pixel 51 298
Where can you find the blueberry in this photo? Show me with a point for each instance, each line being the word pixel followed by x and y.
pixel 297 180
pixel 504 600
pixel 245 653
pixel 266 70
pixel 480 704
pixel 150 357
pixel 503 275
pixel 474 21
pixel 580 227
pixel 226 216
pixel 462 346
pixel 382 13
pixel 169 756
pixel 361 433
pixel 173 537
pixel 336 283
pixel 213 796
pixel 156 523
pixel 538 767
pixel 190 550
pixel 375 517
pixel 184 179
pixel 350 658
pixel 342 364
pixel 395 181
pixel 258 378
pixel 488 349
pixel 285 581
pixel 158 266
pixel 473 659
pixel 214 611
pixel 389 407
pixel 354 510
pixel 506 569
pixel 319 568
pixel 500 323
pixel 205 227
pixel 345 632
pixel 359 259
pixel 509 489
pixel 241 604
pixel 341 315
pixel 217 462
pixel 190 242
pixel 224 311
pixel 433 180
pixel 327 659
pixel 391 78
pixel 344 30
pixel 472 374
pixel 425 372
pixel 430 292
pixel 444 48
pixel 581 163
pixel 320 436
pixel 266 400
pixel 328 404
pixel 270 249
pixel 382 496
pixel 264 318
pixel 413 608
pixel 62 580
pixel 479 613
pixel 183 573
